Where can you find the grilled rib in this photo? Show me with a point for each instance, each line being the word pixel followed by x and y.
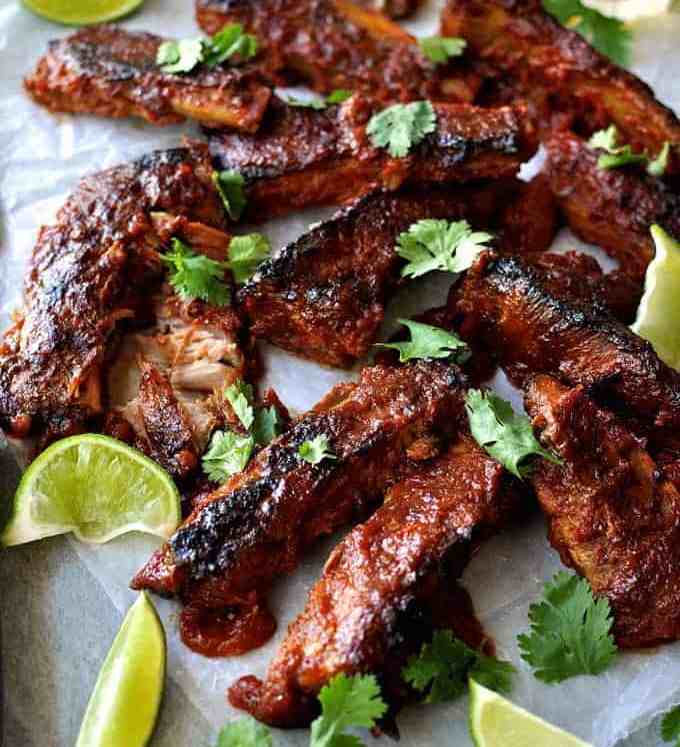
pixel 613 514
pixel 614 208
pixel 525 52
pixel 333 44
pixel 257 525
pixel 112 72
pixel 95 277
pixel 323 296
pixel 302 157
pixel 407 552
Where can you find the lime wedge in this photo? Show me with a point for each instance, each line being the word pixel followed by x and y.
pixel 496 722
pixel 658 317
pixel 95 487
pixel 82 12
pixel 124 706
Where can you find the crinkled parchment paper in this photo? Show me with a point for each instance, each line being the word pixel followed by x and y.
pixel 61 602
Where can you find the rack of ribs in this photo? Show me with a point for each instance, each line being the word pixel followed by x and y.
pixel 613 510
pixel 370 609
pixel 256 526
pixel 101 343
pixel 526 53
pixel 336 44
pixel 302 157
pixel 112 72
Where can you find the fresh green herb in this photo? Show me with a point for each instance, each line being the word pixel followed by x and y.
pixel 442 668
pixel 196 276
pixel 345 702
pixel 570 631
pixel 184 55
pixel 440 49
pixel 316 450
pixel 670 726
pixel 426 342
pixel 230 185
pixel 439 245
pixel 505 435
pixel 658 166
pixel 245 255
pixel 315 102
pixel 402 126
pixel 617 155
pixel 267 425
pixel 240 397
pixel 608 35
pixel 227 454
pixel 338 96
pixel 179 56
pixel 244 732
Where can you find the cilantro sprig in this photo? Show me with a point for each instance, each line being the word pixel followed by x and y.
pixel 442 668
pixel 426 342
pixel 570 631
pixel 228 454
pixel 670 726
pixel 401 127
pixel 246 253
pixel 230 187
pixel 316 450
pixel 338 96
pixel 502 433
pixel 244 732
pixel 615 156
pixel 440 49
pixel 445 245
pixel 608 35
pixel 183 55
pixel 193 275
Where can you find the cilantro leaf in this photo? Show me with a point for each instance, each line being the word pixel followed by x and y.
pixel 227 42
pixel 179 56
pixel 439 245
pixel 227 454
pixel 658 166
pixel 570 631
pixel 246 253
pixel 402 126
pixel 505 435
pixel 244 732
pixel 240 397
pixel 439 49
pixel 624 157
pixel 670 726
pixel 316 450
pixel 338 95
pixel 346 701
pixel 315 102
pixel 608 35
pixel 230 185
pixel 442 668
pixel 605 139
pixel 616 155
pixel 267 425
pixel 426 342
pixel 196 276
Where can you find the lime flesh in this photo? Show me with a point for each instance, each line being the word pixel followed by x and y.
pixel 658 317
pixel 496 722
pixel 95 487
pixel 124 706
pixel 82 12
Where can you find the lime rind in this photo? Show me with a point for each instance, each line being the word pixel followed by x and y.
pixel 82 12
pixel 127 696
pixel 96 487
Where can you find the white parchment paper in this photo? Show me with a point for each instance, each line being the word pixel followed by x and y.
pixel 79 593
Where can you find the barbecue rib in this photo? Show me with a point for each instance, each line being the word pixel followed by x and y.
pixel 613 515
pixel 94 292
pixel 614 208
pixel 112 72
pixel 302 157
pixel 256 526
pixel 407 552
pixel 335 44
pixel 525 52
pixel 323 296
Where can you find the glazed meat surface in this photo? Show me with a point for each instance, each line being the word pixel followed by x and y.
pixel 613 515
pixel 432 520
pixel 335 44
pixel 525 52
pixel 112 72
pixel 534 326
pixel 614 208
pixel 302 157
pixel 392 8
pixel 256 526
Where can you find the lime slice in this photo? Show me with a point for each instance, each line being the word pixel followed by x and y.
pixel 124 706
pixel 658 317
pixel 82 12
pixel 496 722
pixel 95 487
pixel 630 10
